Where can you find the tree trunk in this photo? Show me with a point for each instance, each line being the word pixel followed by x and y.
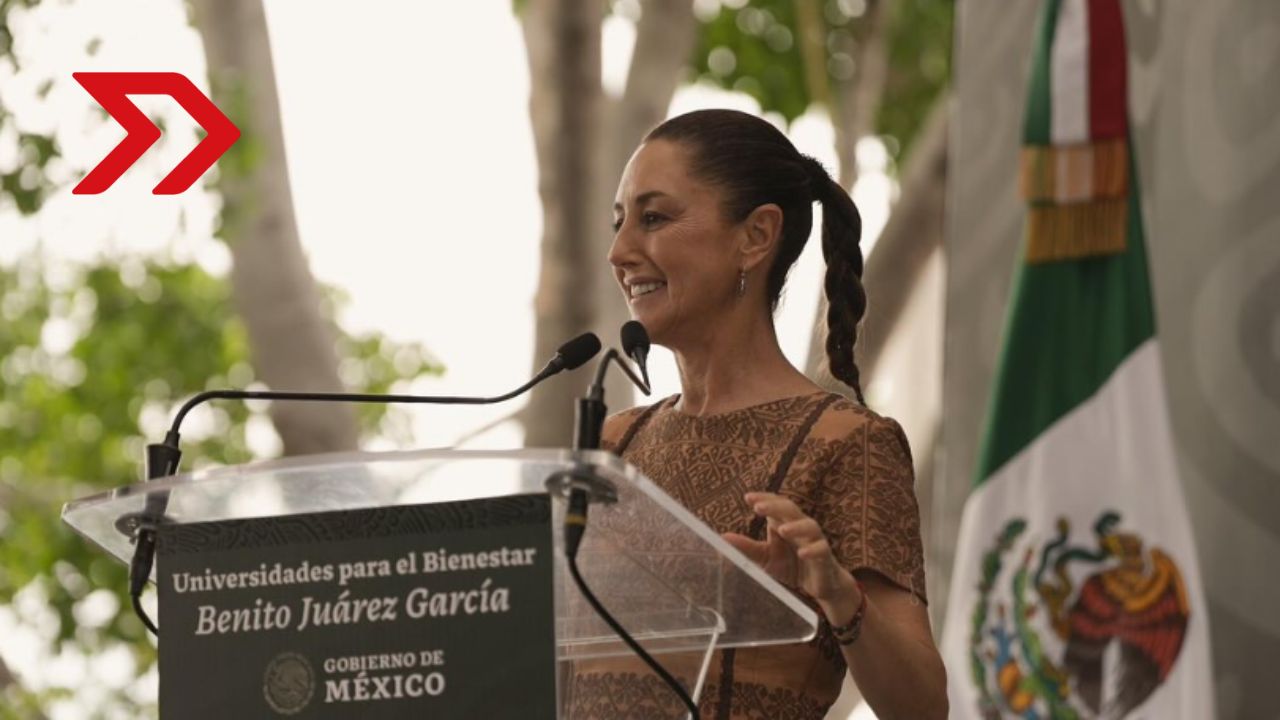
pixel 914 230
pixel 856 102
pixel 813 52
pixel 665 36
pixel 583 142
pixel 291 341
pixel 562 38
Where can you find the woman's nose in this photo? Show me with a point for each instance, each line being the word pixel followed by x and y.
pixel 622 252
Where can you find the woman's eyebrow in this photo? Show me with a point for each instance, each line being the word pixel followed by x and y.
pixel 643 198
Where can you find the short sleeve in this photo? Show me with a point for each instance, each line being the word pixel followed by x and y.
pixel 868 509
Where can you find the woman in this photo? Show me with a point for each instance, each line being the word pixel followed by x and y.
pixel 712 211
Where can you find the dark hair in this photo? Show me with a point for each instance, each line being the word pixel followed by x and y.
pixel 754 164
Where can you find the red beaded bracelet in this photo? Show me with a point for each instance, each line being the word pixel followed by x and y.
pixel 848 633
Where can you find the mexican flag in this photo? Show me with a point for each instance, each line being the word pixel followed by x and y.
pixel 1076 590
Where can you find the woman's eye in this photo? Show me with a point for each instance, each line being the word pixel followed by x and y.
pixel 648 219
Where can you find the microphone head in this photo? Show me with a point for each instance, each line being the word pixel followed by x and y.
pixel 635 339
pixel 578 351
pixel 635 343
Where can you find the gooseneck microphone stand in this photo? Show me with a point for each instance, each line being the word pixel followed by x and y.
pixel 163 458
pixel 585 486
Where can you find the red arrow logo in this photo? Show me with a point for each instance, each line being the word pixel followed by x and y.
pixel 111 89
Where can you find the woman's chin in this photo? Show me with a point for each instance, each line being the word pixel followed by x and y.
pixel 653 324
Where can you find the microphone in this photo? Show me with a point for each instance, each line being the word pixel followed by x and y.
pixel 635 343
pixel 163 458
pixel 584 485
pixel 572 355
pixel 589 426
pixel 569 356
pixel 588 420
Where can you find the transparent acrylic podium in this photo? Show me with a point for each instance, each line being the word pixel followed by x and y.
pixel 674 583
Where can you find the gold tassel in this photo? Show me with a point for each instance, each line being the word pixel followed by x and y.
pixel 1074 173
pixel 1078 230
pixel 1078 199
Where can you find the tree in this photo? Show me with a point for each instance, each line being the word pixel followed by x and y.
pixel 93 366
pixel 274 292
pixel 583 140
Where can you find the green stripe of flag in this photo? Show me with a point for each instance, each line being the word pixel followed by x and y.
pixel 1036 124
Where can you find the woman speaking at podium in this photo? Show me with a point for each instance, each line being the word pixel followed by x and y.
pixel 712 211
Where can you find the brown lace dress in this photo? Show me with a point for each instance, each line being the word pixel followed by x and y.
pixel 845 466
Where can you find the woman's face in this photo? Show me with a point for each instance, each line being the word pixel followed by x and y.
pixel 674 255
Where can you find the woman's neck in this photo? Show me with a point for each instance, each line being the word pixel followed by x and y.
pixel 735 366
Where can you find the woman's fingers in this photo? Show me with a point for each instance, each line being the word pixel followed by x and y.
pixel 800 532
pixel 774 507
pixel 795 546
pixel 757 551
pixel 787 521
pixel 817 550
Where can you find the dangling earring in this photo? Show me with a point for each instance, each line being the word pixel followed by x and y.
pixel 742 283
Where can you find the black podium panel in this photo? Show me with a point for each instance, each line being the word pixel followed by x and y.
pixel 443 610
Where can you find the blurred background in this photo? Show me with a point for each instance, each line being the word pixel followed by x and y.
pixel 421 200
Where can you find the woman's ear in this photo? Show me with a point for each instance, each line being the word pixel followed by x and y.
pixel 762 231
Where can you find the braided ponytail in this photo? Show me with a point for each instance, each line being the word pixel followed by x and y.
pixel 846 298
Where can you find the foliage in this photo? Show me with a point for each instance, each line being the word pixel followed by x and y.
pixel 93 366
pixel 754 47
pixel 919 37
pixel 24 184
pixel 93 361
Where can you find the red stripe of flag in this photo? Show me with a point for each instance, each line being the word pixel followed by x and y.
pixel 1108 71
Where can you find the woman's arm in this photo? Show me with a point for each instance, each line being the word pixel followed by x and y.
pixel 894 660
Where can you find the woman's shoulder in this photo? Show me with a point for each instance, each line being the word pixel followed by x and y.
pixel 845 416
pixel 849 422
pixel 618 424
